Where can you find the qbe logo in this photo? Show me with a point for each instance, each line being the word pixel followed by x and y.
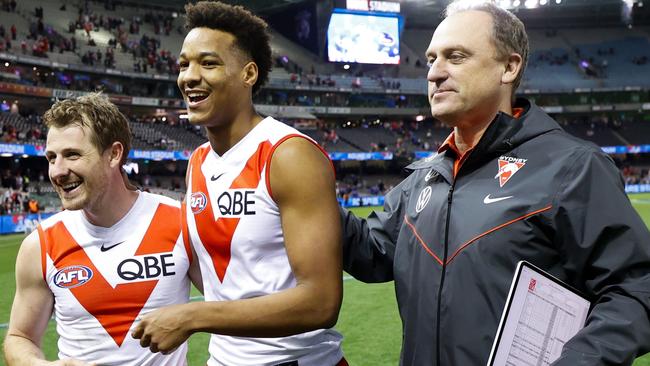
pixel 198 201
pixel 146 267
pixel 72 276
pixel 236 202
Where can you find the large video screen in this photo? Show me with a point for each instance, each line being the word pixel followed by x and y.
pixel 363 38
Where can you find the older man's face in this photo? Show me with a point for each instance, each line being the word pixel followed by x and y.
pixel 464 72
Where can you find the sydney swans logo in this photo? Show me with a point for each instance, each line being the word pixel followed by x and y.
pixel 508 166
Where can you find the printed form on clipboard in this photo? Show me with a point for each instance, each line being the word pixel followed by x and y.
pixel 541 314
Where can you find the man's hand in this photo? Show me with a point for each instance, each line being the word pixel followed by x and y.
pixel 163 330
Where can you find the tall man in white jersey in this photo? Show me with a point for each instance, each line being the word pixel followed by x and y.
pixel 111 256
pixel 262 214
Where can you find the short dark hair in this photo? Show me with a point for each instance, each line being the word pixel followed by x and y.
pixel 508 32
pixel 95 112
pixel 250 31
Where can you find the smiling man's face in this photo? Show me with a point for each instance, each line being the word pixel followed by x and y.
pixel 77 170
pixel 464 75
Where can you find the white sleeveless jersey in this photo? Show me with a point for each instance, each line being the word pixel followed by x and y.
pixel 235 229
pixel 104 279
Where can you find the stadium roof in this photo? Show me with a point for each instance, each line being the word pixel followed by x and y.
pixel 256 5
pixel 425 14
pixel 539 13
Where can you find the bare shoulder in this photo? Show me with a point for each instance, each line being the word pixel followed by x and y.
pixel 29 257
pixel 31 245
pixel 299 163
pixel 297 149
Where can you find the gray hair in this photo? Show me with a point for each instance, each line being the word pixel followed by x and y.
pixel 508 32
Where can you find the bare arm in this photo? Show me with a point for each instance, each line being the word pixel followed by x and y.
pixel 302 183
pixel 30 311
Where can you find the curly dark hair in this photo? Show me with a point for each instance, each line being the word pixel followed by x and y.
pixel 250 31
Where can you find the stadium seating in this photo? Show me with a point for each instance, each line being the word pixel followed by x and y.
pixel 394 94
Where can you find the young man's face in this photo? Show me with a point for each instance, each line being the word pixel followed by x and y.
pixel 78 171
pixel 464 75
pixel 210 77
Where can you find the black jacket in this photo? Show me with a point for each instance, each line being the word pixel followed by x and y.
pixel 528 191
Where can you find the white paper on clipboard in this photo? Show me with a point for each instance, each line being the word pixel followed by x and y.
pixel 541 314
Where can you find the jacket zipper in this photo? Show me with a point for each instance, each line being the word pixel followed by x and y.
pixel 444 270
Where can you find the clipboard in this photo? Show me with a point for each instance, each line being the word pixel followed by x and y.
pixel 541 314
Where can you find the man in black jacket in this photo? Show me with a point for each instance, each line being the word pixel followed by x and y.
pixel 507 185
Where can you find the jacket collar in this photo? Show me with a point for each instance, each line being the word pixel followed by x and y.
pixel 504 134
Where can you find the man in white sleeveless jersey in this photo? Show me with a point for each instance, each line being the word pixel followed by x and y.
pixel 113 254
pixel 262 215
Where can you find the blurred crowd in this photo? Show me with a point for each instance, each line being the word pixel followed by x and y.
pixel 15 191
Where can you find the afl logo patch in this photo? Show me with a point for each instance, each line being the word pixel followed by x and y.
pixel 423 199
pixel 72 276
pixel 198 201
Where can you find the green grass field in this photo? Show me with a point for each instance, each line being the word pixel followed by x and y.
pixel 368 320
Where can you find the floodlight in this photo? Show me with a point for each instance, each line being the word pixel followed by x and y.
pixel 531 4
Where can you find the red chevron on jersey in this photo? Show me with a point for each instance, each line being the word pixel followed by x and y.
pixel 114 308
pixel 216 236
pixel 162 234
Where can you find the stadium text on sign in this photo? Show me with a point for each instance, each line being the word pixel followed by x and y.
pixel 384 6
